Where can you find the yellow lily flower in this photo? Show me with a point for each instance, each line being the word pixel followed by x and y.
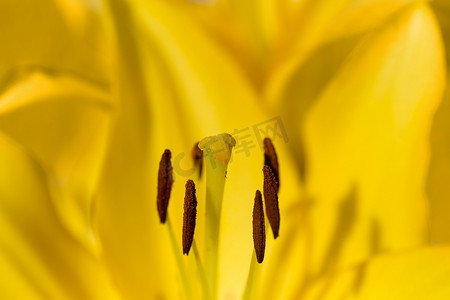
pixel 92 93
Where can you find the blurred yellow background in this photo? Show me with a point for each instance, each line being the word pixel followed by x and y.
pixel 353 93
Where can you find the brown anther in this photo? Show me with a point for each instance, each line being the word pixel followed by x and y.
pixel 189 215
pixel 271 199
pixel 197 157
pixel 165 181
pixel 259 232
pixel 271 160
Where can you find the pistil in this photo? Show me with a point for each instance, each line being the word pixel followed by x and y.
pixel 217 153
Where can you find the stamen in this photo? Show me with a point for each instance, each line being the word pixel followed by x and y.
pixel 197 157
pixel 271 199
pixel 201 272
pixel 259 233
pixel 190 213
pixel 271 160
pixel 253 279
pixel 186 281
pixel 165 181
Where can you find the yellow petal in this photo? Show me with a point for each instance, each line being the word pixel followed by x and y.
pixel 419 274
pixel 441 9
pixel 440 170
pixel 63 123
pixel 366 141
pixel 248 30
pixel 61 35
pixel 38 257
pixel 53 92
pixel 124 203
pixel 314 25
pixel 440 159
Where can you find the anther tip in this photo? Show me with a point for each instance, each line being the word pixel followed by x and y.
pixel 189 216
pixel 271 199
pixel 271 159
pixel 259 234
pixel 165 181
pixel 197 157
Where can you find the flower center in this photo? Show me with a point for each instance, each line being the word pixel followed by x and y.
pixel 216 151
